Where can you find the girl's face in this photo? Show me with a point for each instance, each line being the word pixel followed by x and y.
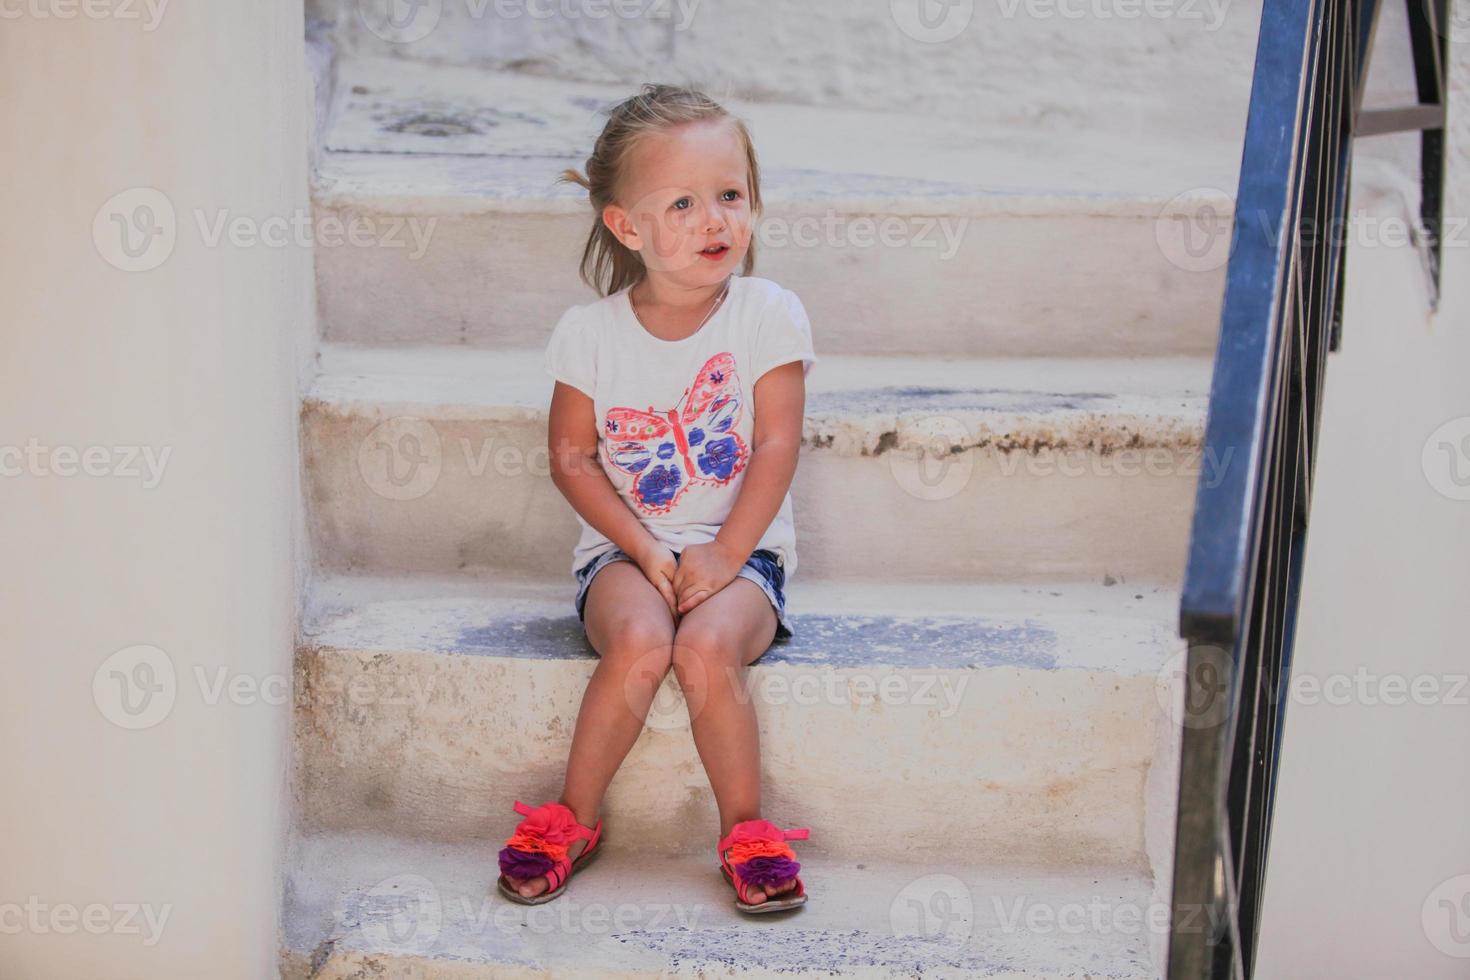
pixel 689 215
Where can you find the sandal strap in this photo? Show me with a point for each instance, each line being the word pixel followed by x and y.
pixel 794 833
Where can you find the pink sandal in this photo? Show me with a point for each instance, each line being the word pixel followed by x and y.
pixel 760 857
pixel 539 847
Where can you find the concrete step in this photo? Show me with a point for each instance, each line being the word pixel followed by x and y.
pixel 361 905
pixel 1177 69
pixel 1001 723
pixel 434 460
pixel 1000 241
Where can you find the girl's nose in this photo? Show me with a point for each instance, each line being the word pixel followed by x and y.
pixel 714 218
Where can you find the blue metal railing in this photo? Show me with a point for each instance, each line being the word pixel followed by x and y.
pixel 1282 315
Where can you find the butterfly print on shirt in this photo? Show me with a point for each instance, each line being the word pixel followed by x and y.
pixel 666 452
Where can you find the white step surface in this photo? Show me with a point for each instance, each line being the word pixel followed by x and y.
pixel 1011 241
pixel 1049 67
pixel 1018 724
pixel 362 905
pixel 434 461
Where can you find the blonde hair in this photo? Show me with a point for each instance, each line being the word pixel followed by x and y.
pixel 607 264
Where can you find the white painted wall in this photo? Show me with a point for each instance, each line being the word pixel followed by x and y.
pixel 1374 806
pixel 200 357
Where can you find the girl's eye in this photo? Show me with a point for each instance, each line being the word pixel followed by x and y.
pixel 731 195
pixel 682 204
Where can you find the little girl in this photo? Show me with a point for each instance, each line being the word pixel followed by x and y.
pixel 674 430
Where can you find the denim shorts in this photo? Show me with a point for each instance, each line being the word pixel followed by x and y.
pixel 763 568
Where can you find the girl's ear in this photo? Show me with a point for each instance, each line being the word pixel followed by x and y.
pixel 617 221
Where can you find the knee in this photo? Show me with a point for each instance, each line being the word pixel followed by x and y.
pixel 700 654
pixel 638 646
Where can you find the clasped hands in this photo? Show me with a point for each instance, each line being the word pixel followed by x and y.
pixel 700 571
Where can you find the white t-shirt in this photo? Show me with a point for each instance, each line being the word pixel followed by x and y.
pixel 676 418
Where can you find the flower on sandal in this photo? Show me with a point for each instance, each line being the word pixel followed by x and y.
pixel 515 863
pixel 763 872
pixel 760 855
pixel 539 842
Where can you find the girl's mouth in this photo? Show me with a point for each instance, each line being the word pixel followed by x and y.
pixel 715 252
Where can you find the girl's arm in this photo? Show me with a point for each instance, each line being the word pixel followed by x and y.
pixel 572 442
pixel 780 408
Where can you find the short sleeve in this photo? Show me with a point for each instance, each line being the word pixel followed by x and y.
pixel 571 357
pixel 784 335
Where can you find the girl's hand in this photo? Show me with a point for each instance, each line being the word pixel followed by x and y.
pixel 705 569
pixel 659 567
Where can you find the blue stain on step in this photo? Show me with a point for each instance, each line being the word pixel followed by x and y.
pixel 947 642
pixel 912 398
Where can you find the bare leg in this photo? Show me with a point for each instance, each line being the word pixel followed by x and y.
pixel 713 645
pixel 632 630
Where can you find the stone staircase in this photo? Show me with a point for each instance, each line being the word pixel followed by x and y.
pixel 977 715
